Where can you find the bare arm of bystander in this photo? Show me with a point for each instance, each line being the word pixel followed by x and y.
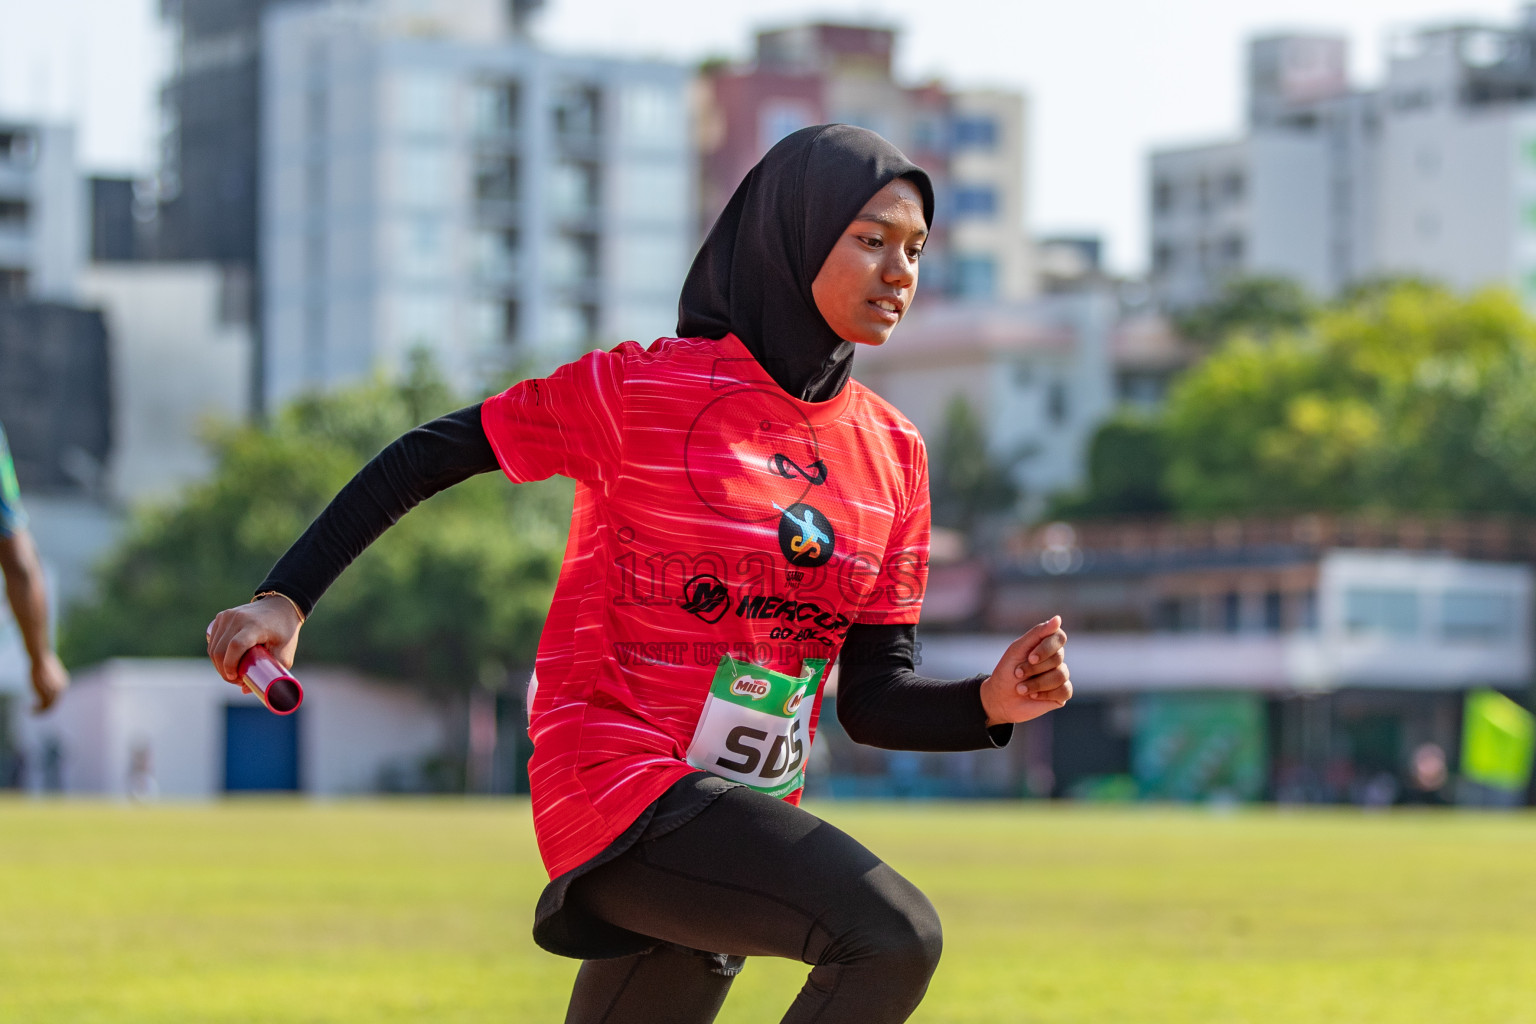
pixel 28 596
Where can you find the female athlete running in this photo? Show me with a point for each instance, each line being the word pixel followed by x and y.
pixel 745 514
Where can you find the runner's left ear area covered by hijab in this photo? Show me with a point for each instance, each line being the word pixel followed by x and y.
pixel 753 274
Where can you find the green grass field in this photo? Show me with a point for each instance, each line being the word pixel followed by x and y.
pixel 419 911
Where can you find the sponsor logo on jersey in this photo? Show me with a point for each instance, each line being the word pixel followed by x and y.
pixel 793 704
pixel 705 596
pixel 805 536
pixel 708 598
pixel 788 611
pixel 815 474
pixel 749 686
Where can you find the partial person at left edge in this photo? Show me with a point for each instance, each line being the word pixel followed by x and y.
pixel 26 589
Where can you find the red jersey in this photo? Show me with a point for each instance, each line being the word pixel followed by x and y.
pixel 716 518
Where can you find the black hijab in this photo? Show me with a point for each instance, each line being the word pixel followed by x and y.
pixel 752 276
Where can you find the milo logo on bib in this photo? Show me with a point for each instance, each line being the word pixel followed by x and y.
pixel 755 726
pixel 750 686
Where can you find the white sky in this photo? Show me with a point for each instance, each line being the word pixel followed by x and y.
pixel 1107 79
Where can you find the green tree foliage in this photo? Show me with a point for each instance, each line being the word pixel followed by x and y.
pixel 1259 306
pixel 457 588
pixel 1401 397
pixel 966 483
pixel 1126 464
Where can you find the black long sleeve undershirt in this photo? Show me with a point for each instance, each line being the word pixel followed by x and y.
pixel 881 701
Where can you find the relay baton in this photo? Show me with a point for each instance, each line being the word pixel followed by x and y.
pixel 272 684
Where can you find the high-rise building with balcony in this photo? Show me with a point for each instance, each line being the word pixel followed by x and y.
pixel 1432 174
pixel 971 143
pixel 1293 198
pixel 432 180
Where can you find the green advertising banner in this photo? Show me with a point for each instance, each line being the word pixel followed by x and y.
pixel 1498 738
pixel 1194 746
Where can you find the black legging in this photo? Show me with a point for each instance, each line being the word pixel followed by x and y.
pixel 752 875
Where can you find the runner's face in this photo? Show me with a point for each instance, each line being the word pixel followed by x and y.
pixel 869 278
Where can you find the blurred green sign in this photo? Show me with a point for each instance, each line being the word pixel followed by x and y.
pixel 1195 746
pixel 1498 738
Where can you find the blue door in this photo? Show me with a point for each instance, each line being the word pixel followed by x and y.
pixel 261 750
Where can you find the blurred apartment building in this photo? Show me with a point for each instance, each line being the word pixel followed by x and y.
pixel 52 354
pixel 55 388
pixel 1039 376
pixel 1039 372
pixel 66 241
pixel 971 142
pixel 109 359
pixel 431 179
pixel 200 206
pixel 42 237
pixel 206 186
pixel 1433 173
pixel 110 365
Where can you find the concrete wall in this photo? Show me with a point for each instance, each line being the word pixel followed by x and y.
pixel 1037 375
pixel 1289 213
pixel 358 729
pixel 60 237
pixel 1354 186
pixel 1446 187
pixel 181 358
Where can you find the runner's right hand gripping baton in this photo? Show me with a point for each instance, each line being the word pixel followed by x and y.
pixel 272 684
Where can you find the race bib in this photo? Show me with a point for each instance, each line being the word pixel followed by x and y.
pixel 755 728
